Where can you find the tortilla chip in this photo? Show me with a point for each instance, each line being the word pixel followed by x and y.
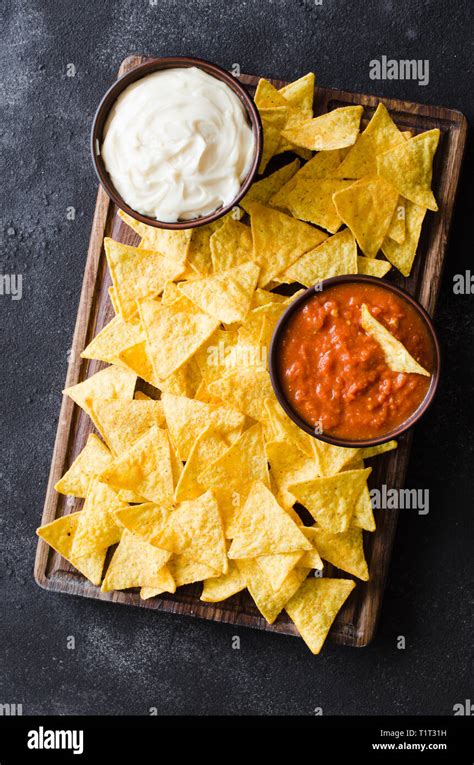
pixel 331 459
pixel 88 464
pixel 409 168
pixel 184 381
pixel 112 382
pixel 396 355
pixel 145 468
pixel 345 551
pixel 278 240
pixel 371 451
pixel 380 135
pixel 225 296
pixel 121 423
pixel 98 525
pixel 285 429
pixel 311 558
pixel 172 244
pixel 331 500
pixel 263 190
pixel 207 448
pixel 289 465
pixel 167 584
pixel 244 389
pixel 187 418
pixel 60 534
pixel 231 246
pixel 269 602
pixel 315 606
pixel 396 230
pixel 135 563
pixel 333 130
pixel 322 165
pixel 300 93
pixel 372 267
pixel 336 256
pixel 137 274
pixel 186 571
pixel 311 199
pixel 278 567
pixel 265 528
pixel 273 120
pixel 113 298
pixel 145 520
pixel 173 335
pixel 367 207
pixel 194 529
pixel 222 587
pixel 264 297
pixel 403 255
pixel 115 337
pixel 136 359
pixel 363 516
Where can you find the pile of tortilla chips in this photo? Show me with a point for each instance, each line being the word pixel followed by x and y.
pixel 206 479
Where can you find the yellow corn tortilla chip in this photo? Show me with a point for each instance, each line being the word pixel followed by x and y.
pixel 289 465
pixel 121 422
pixel 331 459
pixel 262 191
pixel 367 207
pixel 312 200
pixel 173 335
pixel 372 267
pixel 137 274
pixel 402 255
pixel 199 254
pixel 222 587
pixel 145 468
pixel 270 101
pixel 225 296
pixel 300 93
pixel 278 567
pixel 244 389
pixel 98 525
pixel 336 256
pixel 265 528
pixel 113 298
pixel 269 602
pixel 172 244
pixel 59 534
pixel 207 448
pixel 231 246
pixel 311 558
pixel 145 520
pixel 273 120
pixel 396 230
pixel 315 606
pixel 184 381
pixel 88 464
pixel 363 516
pixel 114 338
pixel 194 529
pixel 112 382
pixel 167 584
pixel 396 355
pixel 186 571
pixel 136 359
pixel 187 418
pixel 409 168
pixel 264 297
pixel 371 451
pixel 322 165
pixel 136 563
pixel 278 240
pixel 331 499
pixel 333 130
pixel 345 551
pixel 213 358
pixel 285 429
pixel 380 135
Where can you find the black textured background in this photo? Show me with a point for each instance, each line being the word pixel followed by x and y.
pixel 129 660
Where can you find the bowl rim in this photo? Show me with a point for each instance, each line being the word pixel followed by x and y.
pixel 275 377
pixel 148 67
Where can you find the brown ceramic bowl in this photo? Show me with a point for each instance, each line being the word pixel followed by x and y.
pixel 155 65
pixel 274 357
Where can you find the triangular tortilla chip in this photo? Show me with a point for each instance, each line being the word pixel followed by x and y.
pixel 322 165
pixel 336 256
pixel 345 551
pixel 186 418
pixel 273 120
pixel 363 516
pixel 244 389
pixel 269 602
pixel 115 337
pixel 403 255
pixel 59 534
pixel 397 228
pixel 137 274
pixel 380 135
pixel 112 382
pixel 167 584
pixel 184 381
pixel 231 246
pixel 278 240
pixel 136 359
pixel 396 355
pixel 333 130
pixel 311 199
pixel 263 190
pixel 194 529
pixel 409 168
pixel 289 465
pixel 173 335
pixel 186 571
pixel 225 296
pixel 367 207
pixel 331 500
pixel 145 468
pixel 372 267
pixel 331 459
pixel 315 606
pixel 135 563
pixel 145 520
pixel 300 93
pixel 98 526
pixel 121 423
pixel 172 244
pixel 265 528
pixel 88 464
pixel 222 587
pixel 285 429
pixel 311 558
pixel 207 448
pixel 278 567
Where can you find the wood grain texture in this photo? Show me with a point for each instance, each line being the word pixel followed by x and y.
pixel 357 621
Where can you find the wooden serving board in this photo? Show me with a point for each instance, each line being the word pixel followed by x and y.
pixel 356 623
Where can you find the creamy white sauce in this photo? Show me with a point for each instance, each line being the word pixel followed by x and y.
pixel 177 144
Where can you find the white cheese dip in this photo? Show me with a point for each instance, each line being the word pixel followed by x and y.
pixel 177 144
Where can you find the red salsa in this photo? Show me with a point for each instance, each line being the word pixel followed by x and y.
pixel 334 374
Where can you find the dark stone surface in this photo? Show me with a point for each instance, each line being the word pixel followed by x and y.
pixel 127 660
